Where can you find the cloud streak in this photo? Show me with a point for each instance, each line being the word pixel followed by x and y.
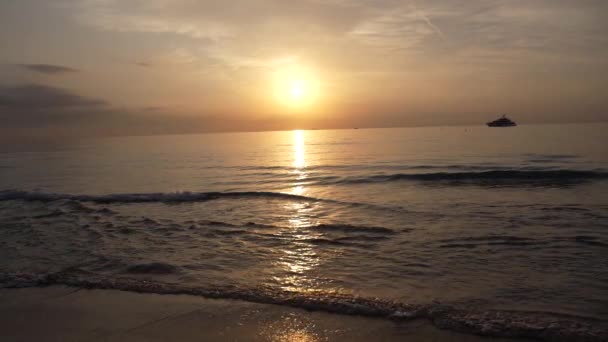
pixel 428 21
pixel 48 69
pixel 41 97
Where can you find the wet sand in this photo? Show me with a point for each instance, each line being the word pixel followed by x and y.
pixel 60 313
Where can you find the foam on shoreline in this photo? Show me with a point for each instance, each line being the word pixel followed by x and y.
pixel 514 324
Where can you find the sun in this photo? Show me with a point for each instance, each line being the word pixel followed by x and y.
pixel 296 87
pixel 297 90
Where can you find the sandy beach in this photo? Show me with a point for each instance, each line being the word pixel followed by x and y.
pixel 60 313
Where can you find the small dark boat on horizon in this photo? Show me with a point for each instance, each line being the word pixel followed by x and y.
pixel 502 122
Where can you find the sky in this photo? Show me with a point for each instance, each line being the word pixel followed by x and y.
pixel 110 67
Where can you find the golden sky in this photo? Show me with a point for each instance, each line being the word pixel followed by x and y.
pixel 172 66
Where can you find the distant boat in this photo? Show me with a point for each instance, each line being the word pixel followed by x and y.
pixel 502 122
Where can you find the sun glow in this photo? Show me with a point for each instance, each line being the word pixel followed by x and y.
pixel 296 87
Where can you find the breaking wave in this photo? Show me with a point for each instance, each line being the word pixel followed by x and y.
pixel 521 324
pixel 524 176
pixel 176 197
pixel 171 198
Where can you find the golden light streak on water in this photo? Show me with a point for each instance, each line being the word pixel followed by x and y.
pixel 298 148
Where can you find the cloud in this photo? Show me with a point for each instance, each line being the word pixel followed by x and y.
pixel 394 29
pixel 33 109
pixel 458 29
pixel 48 69
pixel 427 20
pixel 41 97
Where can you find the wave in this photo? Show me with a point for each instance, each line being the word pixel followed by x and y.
pixel 448 175
pixel 54 213
pixel 497 323
pixel 505 240
pixel 362 241
pixel 264 170
pixel 349 235
pixel 176 197
pixel 347 228
pixel 153 268
pixel 513 176
pixel 170 198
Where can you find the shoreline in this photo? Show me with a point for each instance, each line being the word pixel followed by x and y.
pixel 91 313
pixel 62 313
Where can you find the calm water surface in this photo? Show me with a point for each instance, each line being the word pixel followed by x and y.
pixel 511 219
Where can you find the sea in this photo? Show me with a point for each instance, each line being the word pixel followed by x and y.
pixel 497 231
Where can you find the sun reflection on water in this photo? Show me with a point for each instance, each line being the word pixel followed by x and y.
pixel 301 257
pixel 290 328
pixel 298 148
pixel 293 335
pixel 299 163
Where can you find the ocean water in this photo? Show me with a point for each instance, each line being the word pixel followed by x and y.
pixel 463 225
